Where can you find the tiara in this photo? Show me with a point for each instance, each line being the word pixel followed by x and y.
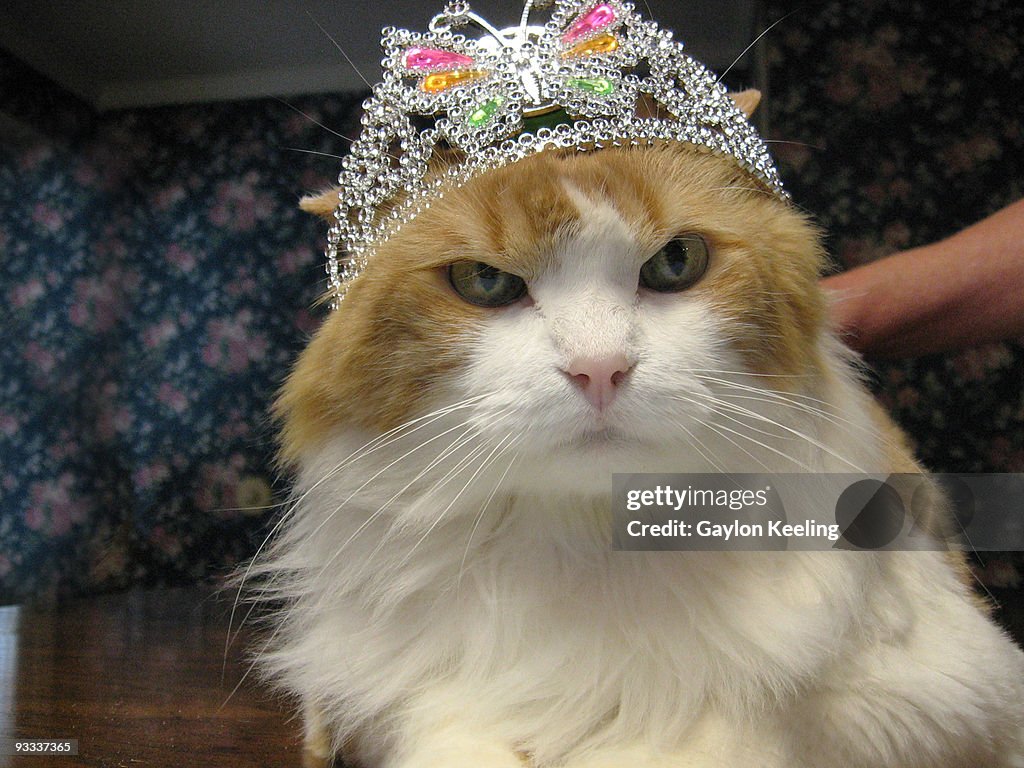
pixel 584 79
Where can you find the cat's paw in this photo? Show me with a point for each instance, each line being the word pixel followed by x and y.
pixel 313 759
pixel 460 753
pixel 316 744
pixel 643 757
pixel 474 760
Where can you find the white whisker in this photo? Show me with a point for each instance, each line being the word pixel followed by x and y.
pixel 483 465
pixel 839 422
pixel 754 440
pixel 457 444
pixel 753 43
pixel 314 152
pixel 714 429
pixel 342 50
pixel 366 449
pixel 315 122
pixel 721 403
pixel 698 445
pixel 750 373
pixel 483 507
pixel 795 432
pixel 452 447
pixel 389 437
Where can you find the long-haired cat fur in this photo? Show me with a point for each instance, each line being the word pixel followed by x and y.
pixel 446 587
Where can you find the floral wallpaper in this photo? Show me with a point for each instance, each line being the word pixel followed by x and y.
pixel 157 279
pixel 157 282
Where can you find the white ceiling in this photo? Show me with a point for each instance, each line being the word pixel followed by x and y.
pixel 129 53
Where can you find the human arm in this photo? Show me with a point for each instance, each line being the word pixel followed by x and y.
pixel 960 292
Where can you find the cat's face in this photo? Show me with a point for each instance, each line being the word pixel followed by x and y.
pixel 610 327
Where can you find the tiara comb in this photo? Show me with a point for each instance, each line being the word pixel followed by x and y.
pixel 579 80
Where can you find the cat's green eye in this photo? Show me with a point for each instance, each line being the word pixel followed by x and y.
pixel 677 266
pixel 484 285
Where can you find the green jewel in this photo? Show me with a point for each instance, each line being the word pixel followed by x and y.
pixel 484 112
pixel 602 86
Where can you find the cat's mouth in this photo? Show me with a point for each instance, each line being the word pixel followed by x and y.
pixel 598 437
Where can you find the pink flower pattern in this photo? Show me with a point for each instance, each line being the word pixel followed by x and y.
pixel 158 279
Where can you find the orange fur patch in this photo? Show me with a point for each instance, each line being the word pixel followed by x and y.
pixel 321 204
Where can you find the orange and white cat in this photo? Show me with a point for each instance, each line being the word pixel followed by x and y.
pixel 450 595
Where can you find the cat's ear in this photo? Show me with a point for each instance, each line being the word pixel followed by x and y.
pixel 747 100
pixel 321 204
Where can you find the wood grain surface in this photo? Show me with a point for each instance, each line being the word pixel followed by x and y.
pixel 140 680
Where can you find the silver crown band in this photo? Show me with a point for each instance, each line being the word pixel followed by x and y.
pixel 589 72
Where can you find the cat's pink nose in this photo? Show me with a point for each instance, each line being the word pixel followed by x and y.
pixel 599 378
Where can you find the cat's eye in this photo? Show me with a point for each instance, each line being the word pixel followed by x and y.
pixel 677 266
pixel 484 285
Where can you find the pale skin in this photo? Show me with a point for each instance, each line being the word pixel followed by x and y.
pixel 960 292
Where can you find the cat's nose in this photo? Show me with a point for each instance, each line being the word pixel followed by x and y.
pixel 599 378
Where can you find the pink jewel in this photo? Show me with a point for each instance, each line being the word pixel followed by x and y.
pixel 429 58
pixel 598 17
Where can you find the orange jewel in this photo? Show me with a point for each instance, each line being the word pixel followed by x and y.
pixel 442 81
pixel 605 43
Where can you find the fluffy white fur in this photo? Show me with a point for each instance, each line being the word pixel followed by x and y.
pixel 454 600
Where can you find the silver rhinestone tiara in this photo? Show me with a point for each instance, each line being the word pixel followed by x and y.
pixel 580 80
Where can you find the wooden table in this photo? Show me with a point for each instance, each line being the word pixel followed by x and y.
pixel 140 680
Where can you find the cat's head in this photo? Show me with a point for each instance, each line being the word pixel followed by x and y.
pixel 579 305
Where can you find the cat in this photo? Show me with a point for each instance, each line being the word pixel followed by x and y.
pixel 448 594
